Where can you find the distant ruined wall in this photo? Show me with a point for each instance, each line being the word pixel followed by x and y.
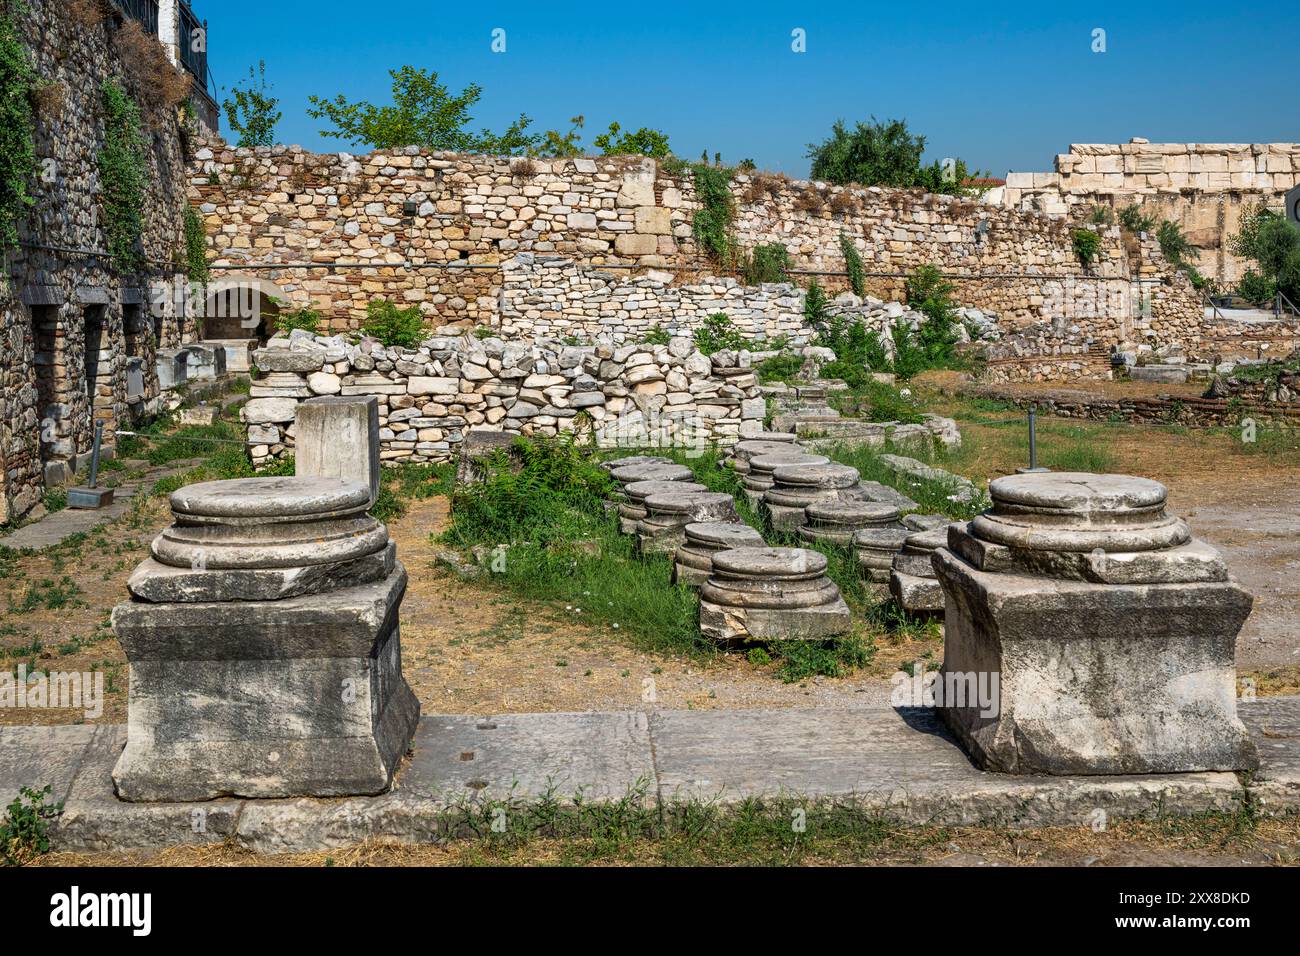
pixel 77 338
pixel 1205 187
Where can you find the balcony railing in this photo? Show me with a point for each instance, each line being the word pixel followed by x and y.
pixel 196 61
pixel 146 11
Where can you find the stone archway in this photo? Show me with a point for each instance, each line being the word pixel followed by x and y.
pixel 239 310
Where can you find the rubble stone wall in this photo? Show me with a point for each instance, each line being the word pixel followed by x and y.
pixel 70 324
pixel 632 395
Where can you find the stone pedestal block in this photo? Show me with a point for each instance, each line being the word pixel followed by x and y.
pixel 632 508
pixel 795 487
pixel 694 560
pixel 1110 631
pixel 777 594
pixel 834 521
pixel 663 529
pixel 654 471
pixel 743 451
pixel 263 641
pixel 912 582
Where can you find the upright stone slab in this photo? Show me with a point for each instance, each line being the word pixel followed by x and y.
pixel 337 436
pixel 795 487
pixel 1111 631
pixel 779 594
pixel 263 641
pixel 693 564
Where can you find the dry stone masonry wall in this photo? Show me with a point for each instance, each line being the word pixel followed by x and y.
pixel 78 340
pixel 630 395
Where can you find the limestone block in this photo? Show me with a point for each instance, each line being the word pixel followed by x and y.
pixel 338 437
pixel 1094 677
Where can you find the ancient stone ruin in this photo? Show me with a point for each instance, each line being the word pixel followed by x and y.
pixel 1110 629
pixel 771 594
pixel 693 561
pixel 263 641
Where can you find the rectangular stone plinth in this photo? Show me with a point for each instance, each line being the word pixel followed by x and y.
pixel 298 697
pixel 1093 678
pixel 916 594
pixel 731 625
pixel 783 518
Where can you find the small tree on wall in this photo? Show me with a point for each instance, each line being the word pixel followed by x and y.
pixel 251 111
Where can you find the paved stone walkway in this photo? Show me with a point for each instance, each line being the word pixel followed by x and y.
pixel 56 528
pixel 896 763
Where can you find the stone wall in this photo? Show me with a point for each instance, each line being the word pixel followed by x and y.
pixel 435 229
pixel 1203 186
pixel 633 395
pixel 70 324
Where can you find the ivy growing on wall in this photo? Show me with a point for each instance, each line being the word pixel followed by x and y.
pixel 122 176
pixel 713 220
pixel 853 265
pixel 196 247
pixel 17 129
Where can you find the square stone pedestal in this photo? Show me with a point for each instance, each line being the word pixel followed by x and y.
pixel 1093 678
pixel 295 697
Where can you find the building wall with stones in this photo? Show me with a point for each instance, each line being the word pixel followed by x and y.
pixel 434 229
pixel 72 326
pixel 1205 187
pixel 631 396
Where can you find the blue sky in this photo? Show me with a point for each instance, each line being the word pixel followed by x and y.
pixel 1005 88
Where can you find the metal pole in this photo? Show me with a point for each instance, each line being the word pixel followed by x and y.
pixel 94 454
pixel 1033 438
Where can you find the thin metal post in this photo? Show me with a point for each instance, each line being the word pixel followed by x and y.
pixel 94 454
pixel 1033 438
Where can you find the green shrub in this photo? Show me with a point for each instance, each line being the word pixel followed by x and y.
pixel 1175 246
pixel 17 130
pixel 657 335
pixel 712 223
pixel 853 265
pixel 1102 216
pixel 24 832
pixel 307 319
pixel 393 326
pixel 769 262
pixel 779 368
pixel 122 176
pixel 718 332
pixel 1132 219
pixel 1087 244
pixel 536 490
pixel 877 401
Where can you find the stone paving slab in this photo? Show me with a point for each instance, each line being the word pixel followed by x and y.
pixel 900 764
pixel 1274 725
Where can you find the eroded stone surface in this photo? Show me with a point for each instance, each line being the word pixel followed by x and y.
pixel 1116 658
pixel 771 594
pixel 694 559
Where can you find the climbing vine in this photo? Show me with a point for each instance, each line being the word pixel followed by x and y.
pixel 196 247
pixel 713 220
pixel 122 175
pixel 17 129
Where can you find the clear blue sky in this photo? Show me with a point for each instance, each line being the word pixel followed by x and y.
pixel 1004 87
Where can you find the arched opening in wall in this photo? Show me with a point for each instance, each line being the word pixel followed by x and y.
pixel 240 311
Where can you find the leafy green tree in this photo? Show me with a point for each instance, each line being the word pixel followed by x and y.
pixel 883 154
pixel 1274 245
pixel 423 113
pixel 251 111
pixel 644 142
pixel 1175 246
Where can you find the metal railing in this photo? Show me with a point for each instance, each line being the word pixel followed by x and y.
pixel 146 11
pixel 196 61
